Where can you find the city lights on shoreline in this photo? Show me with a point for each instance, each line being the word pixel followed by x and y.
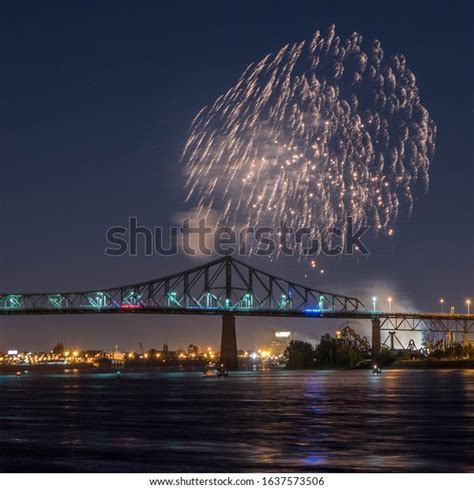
pixel 60 357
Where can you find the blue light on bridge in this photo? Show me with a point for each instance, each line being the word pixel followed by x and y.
pixel 310 311
pixel 200 308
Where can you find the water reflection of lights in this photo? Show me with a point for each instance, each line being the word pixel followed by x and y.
pixel 314 459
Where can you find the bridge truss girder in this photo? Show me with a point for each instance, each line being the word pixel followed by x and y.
pixel 225 285
pixel 435 323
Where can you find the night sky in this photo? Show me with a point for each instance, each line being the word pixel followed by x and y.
pixel 96 101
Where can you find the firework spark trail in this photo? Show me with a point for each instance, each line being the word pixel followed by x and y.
pixel 320 131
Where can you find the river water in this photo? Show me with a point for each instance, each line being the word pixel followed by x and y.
pixel 401 420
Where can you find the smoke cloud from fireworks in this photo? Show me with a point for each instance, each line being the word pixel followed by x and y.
pixel 321 131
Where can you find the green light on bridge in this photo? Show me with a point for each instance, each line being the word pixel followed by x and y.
pixel 247 301
pixel 56 300
pixel 283 302
pixel 210 300
pixel 100 300
pixel 132 298
pixel 13 301
pixel 172 299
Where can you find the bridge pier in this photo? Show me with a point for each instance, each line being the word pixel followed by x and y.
pixel 229 343
pixel 392 342
pixel 376 341
pixel 465 335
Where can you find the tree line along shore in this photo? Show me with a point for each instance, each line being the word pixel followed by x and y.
pixel 331 353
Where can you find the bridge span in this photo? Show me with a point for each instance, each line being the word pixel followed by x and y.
pixel 229 288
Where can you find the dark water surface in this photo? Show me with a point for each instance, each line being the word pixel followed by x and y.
pixel 403 420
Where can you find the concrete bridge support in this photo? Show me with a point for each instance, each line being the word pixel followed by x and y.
pixel 465 335
pixel 392 342
pixel 376 338
pixel 229 343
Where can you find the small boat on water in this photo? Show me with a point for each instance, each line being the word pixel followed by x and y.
pixel 213 370
pixel 376 370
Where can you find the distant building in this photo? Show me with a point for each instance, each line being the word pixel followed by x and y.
pixel 118 358
pixel 280 342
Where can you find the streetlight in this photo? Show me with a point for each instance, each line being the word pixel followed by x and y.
pixel 389 304
pixel 468 304
pixel 374 303
pixel 441 301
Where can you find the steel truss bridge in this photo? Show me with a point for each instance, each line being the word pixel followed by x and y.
pixel 228 287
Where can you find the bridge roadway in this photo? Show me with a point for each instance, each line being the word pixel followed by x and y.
pixel 328 314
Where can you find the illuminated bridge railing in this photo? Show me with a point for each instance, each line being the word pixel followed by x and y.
pixel 224 285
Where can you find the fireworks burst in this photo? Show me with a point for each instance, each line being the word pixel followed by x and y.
pixel 316 133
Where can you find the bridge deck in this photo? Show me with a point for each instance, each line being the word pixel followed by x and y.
pixel 224 287
pixel 313 313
